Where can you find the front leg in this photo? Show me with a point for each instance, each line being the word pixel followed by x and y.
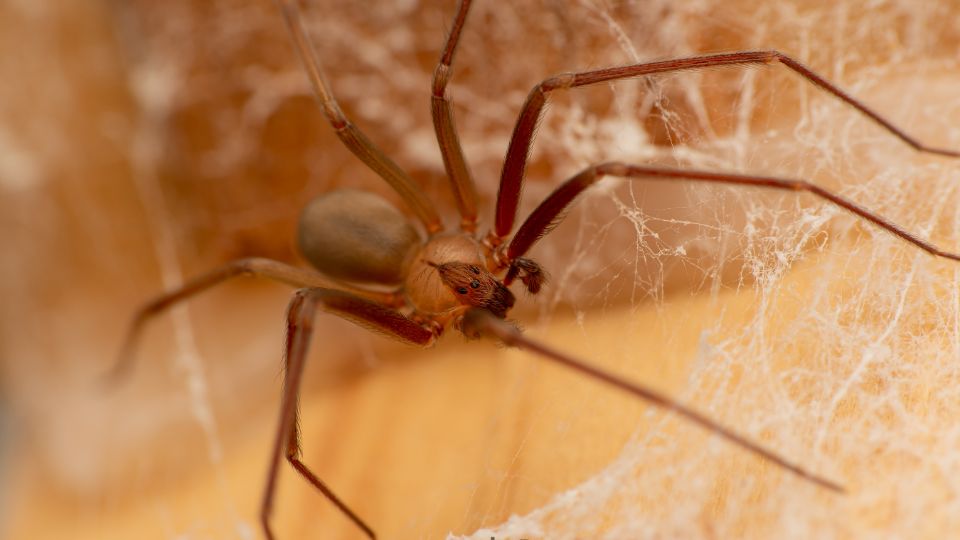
pixel 478 323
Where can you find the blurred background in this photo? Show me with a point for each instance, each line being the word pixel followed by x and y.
pixel 142 143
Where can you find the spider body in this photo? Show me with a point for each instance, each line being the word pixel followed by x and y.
pixel 358 237
pixel 375 268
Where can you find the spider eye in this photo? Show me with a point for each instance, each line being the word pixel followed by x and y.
pixel 476 271
pixel 475 284
pixel 462 290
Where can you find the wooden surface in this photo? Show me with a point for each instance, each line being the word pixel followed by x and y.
pixel 831 343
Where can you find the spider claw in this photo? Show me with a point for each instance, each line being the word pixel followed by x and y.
pixel 530 273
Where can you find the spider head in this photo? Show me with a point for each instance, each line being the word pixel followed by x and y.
pixel 474 286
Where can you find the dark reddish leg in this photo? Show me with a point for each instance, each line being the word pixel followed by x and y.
pixel 546 216
pixel 511 178
pixel 256 267
pixel 300 317
pixel 352 137
pixel 464 191
pixel 477 322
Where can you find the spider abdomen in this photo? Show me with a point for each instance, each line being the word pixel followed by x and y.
pixel 356 236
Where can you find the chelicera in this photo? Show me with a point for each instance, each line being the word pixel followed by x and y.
pixel 412 281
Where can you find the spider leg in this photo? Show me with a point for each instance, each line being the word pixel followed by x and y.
pixel 464 191
pixel 257 267
pixel 353 138
pixel 511 178
pixel 551 211
pixel 478 322
pixel 300 316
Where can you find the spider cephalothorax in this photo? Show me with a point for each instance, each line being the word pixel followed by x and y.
pixel 474 286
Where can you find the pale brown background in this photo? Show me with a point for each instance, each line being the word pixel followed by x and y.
pixel 142 141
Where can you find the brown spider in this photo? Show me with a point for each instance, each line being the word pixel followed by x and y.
pixel 375 268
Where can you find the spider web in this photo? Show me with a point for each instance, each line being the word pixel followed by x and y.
pixel 828 340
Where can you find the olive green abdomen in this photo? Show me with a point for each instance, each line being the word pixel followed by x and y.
pixel 355 236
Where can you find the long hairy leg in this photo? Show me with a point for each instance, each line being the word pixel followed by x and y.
pixel 353 138
pixel 255 267
pixel 479 322
pixel 461 182
pixel 300 319
pixel 552 210
pixel 511 178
